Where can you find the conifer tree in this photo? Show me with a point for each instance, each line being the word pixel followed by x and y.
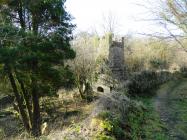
pixel 35 40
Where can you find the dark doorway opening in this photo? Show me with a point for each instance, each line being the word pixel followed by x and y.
pixel 100 89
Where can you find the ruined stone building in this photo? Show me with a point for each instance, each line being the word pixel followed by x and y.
pixel 116 58
pixel 114 50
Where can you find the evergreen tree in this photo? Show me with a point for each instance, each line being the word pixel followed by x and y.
pixel 35 36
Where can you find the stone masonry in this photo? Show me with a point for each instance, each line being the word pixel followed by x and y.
pixel 116 58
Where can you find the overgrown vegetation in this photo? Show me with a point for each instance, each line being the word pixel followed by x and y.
pixel 39 57
pixel 144 123
pixel 35 40
pixel 145 82
pixel 111 125
pixel 173 100
pixel 84 65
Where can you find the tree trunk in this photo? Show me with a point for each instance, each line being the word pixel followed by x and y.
pixel 35 23
pixel 36 131
pixel 18 99
pixel 21 15
pixel 88 92
pixel 26 99
pixel 80 87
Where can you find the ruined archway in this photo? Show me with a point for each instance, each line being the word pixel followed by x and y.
pixel 100 89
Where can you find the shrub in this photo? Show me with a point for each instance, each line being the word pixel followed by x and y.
pixel 111 125
pixel 158 63
pixel 141 83
pixel 134 63
pixel 135 120
pixel 183 71
pixel 2 134
pixel 103 137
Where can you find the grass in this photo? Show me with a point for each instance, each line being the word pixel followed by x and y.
pixel 111 125
pixel 56 112
pixel 177 106
pixel 146 124
pixel 153 128
pixel 143 120
pixel 2 134
pixel 149 124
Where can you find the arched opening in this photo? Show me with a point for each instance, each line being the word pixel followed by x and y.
pixel 100 89
pixel 111 88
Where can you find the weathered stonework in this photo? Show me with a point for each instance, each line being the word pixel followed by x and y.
pixel 116 58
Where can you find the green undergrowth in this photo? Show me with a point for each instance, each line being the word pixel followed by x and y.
pixel 176 107
pixel 144 123
pixel 2 134
pixel 111 127
pixel 143 83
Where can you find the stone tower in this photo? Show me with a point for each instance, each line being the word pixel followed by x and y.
pixel 116 58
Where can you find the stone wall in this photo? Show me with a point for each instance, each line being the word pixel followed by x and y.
pixel 116 58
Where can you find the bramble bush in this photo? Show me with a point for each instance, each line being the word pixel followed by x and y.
pixel 141 83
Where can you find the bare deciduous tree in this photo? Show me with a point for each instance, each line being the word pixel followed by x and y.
pixel 110 23
pixel 173 17
pixel 84 65
pixel 170 15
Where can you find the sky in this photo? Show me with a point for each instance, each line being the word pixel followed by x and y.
pixel 129 15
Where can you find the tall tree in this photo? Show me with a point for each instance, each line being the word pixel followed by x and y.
pixel 110 23
pixel 170 14
pixel 84 65
pixel 35 36
pixel 174 12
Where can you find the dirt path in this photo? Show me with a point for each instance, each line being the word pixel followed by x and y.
pixel 171 103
